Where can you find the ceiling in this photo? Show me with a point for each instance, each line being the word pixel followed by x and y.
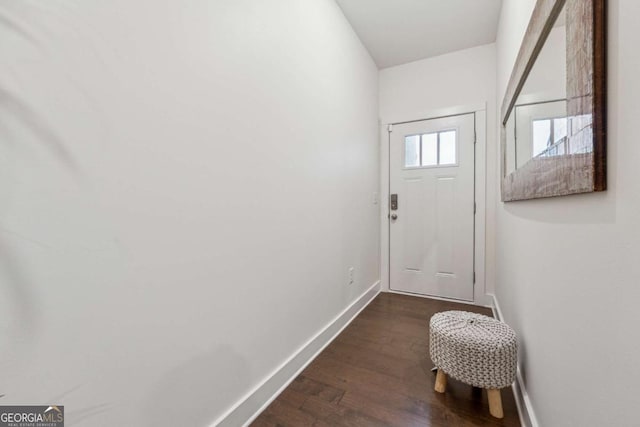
pixel 400 31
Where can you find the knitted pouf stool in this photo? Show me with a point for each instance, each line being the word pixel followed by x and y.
pixel 474 349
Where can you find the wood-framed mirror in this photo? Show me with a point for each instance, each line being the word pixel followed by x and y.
pixel 553 138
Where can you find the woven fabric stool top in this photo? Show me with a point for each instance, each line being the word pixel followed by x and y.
pixel 472 348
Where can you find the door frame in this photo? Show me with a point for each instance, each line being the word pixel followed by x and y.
pixel 480 296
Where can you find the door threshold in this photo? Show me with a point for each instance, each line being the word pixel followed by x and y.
pixel 461 301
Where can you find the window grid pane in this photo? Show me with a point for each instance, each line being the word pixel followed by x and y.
pixel 541 136
pixel 412 151
pixel 447 148
pixel 559 129
pixel 430 149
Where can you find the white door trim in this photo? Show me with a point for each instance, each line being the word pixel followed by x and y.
pixel 457 110
pixel 479 295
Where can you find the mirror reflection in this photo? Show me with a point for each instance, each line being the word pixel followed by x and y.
pixel 538 126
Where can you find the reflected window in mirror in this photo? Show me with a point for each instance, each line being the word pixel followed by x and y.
pixel 550 137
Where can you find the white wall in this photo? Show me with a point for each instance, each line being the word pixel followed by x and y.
pixel 183 188
pixel 577 314
pixel 418 89
pixel 465 77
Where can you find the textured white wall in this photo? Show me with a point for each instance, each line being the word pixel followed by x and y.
pixel 577 313
pixel 183 186
pixel 463 78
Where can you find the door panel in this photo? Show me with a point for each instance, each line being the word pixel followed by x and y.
pixel 431 240
pixel 444 201
pixel 415 230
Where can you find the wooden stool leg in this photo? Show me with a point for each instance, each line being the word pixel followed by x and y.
pixel 495 402
pixel 441 381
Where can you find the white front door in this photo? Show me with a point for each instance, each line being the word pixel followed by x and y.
pixel 432 166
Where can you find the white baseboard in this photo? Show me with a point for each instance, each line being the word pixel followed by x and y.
pixel 523 402
pixel 254 402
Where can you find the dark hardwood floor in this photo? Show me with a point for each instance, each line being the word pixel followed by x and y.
pixel 377 372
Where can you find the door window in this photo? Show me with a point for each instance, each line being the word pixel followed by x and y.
pixel 431 149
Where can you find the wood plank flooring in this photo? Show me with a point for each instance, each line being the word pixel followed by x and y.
pixel 377 372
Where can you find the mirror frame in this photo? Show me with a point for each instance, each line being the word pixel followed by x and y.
pixel 586 94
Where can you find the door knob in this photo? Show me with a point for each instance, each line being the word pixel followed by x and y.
pixel 394 216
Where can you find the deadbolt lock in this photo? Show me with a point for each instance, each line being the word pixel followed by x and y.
pixel 394 202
